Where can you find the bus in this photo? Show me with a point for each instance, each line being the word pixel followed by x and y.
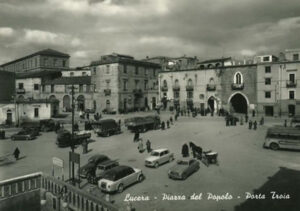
pixel 279 137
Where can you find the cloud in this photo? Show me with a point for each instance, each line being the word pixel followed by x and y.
pixel 6 31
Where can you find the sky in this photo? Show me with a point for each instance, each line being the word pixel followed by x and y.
pixel 87 29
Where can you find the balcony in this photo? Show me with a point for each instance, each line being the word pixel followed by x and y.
pixel 211 87
pixel 164 88
pixel 291 84
pixel 189 101
pixel 107 92
pixel 176 88
pixel 176 101
pixel 235 86
pixel 20 91
pixel 189 87
pixel 137 92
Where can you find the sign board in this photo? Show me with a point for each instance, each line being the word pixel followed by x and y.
pixel 74 157
pixel 58 162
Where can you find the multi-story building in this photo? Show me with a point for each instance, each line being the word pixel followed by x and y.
pixel 278 92
pixel 47 59
pixel 76 72
pixel 123 83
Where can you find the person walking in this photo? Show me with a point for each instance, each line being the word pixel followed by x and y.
pixel 250 125
pixel 246 118
pixel 148 146
pixel 171 119
pixel 176 116
pixel 136 136
pixel 16 153
pixel 262 121
pixel 185 150
pixel 141 146
pixel 168 124
pixel 120 122
pixel 163 125
pixel 254 125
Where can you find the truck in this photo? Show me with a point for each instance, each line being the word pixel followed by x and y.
pixel 64 138
pixel 142 124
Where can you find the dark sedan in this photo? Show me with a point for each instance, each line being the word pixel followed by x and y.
pixel 183 169
pixel 90 167
pixel 23 135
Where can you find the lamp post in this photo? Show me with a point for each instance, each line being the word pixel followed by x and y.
pixel 63 194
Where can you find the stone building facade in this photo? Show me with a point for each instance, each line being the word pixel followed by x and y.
pixel 47 59
pixel 124 84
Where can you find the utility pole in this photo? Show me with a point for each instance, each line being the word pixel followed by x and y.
pixel 72 136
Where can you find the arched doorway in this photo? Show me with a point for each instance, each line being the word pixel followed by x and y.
pixel 52 97
pixel 66 103
pixel 211 104
pixel 81 103
pixel 9 117
pixel 107 105
pixel 238 103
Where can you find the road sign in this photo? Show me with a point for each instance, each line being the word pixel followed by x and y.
pixel 58 162
pixel 74 157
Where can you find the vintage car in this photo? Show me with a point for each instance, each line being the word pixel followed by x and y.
pixel 100 170
pixel 64 137
pixel 106 127
pixel 23 135
pixel 143 124
pixel 118 178
pixel 90 168
pixel 183 169
pixel 158 157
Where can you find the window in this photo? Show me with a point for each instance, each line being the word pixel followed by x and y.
pixel 125 68
pixel 36 87
pixel 107 69
pixel 35 62
pixel 52 88
pixel 125 83
pixel 80 88
pixel 21 85
pixel 54 62
pixel 295 57
pixel 45 61
pixel 176 83
pixel 267 81
pixel 165 83
pixel 136 70
pixel 137 83
pixel 83 73
pixel 190 82
pixel 291 95
pixel 292 77
pixel 267 94
pixel 146 71
pixel 176 94
pixel 36 112
pixel 266 58
pixel 267 69
pixel 146 85
pixel 190 94
pixel 88 88
pixel 43 88
pixel 238 78
pixel 64 63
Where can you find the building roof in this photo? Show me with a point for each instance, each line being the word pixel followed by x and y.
pixel 215 60
pixel 45 52
pixel 38 74
pixel 3 72
pixel 69 80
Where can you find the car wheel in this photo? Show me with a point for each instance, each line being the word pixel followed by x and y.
pixel 156 165
pixel 141 178
pixel 171 159
pixel 120 188
pixel 274 146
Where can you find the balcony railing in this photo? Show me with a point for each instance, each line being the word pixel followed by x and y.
pixel 189 87
pixel 20 91
pixel 176 88
pixel 189 101
pixel 176 101
pixel 164 88
pixel 211 87
pixel 291 84
pixel 235 86
pixel 107 92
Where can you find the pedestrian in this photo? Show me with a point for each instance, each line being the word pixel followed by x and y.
pixel 246 118
pixel 88 116
pixel 171 119
pixel 254 125
pixel 168 124
pixel 253 113
pixel 262 121
pixel 136 136
pixel 17 153
pixel 76 127
pixel 188 112
pixel 227 121
pixel 241 121
pixel 148 146
pixel 176 116
pixel 141 146
pixel 120 122
pixel 250 125
pixel 192 147
pixel 285 123
pixel 185 150
pixel 163 125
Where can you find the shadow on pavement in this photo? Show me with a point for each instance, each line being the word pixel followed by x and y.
pixel 285 181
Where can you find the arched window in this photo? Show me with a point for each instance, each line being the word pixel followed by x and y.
pixel 238 78
pixel 71 73
pixel 176 82
pixel 190 82
pixel 211 81
pixel 165 83
pixel 209 66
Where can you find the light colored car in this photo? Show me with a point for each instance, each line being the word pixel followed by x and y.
pixel 158 157
pixel 119 177
pixel 184 168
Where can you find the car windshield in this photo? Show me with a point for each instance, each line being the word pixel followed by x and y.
pixel 111 177
pixel 182 162
pixel 155 153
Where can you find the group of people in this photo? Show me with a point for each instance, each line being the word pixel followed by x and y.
pixel 86 115
pixel 231 120
pixel 140 147
pixel 168 122
pixel 195 150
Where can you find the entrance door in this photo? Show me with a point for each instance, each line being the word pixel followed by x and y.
pixel 153 102
pixel 291 109
pixel 9 117
pixel 269 111
pixel 211 104
pixel 238 104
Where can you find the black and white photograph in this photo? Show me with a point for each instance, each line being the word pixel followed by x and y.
pixel 149 105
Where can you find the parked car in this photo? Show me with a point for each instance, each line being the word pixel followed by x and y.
pixel 100 170
pixel 33 130
pixel 64 137
pixel 47 125
pixel 158 157
pixel 183 169
pixel 107 127
pixel 89 169
pixel 118 178
pixel 23 135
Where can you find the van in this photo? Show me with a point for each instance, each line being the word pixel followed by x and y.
pixel 107 127
pixel 280 137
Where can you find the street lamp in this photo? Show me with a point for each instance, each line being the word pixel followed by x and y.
pixel 63 194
